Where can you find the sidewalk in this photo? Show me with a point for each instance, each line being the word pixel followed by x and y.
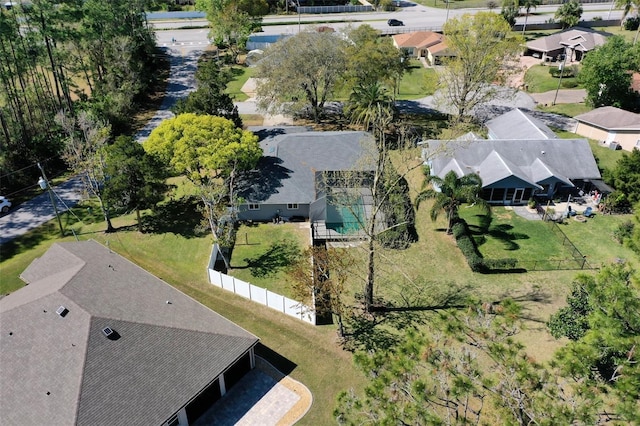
pixel 564 96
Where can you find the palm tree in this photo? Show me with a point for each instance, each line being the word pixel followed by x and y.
pixel 369 105
pixel 449 193
pixel 627 6
pixel 528 5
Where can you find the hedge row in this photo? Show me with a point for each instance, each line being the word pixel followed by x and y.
pixel 468 247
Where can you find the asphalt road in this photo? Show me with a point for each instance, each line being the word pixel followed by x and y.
pixel 414 16
pixel 39 210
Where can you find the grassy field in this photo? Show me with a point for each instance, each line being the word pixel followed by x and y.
pixel 264 251
pixel 240 76
pixel 417 83
pixel 568 110
pixel 539 80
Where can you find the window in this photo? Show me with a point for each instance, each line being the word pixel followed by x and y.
pixel 292 206
pixel 254 206
pixel 638 143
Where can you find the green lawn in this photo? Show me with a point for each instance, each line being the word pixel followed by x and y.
pixel 505 234
pixel 539 80
pixel 418 82
pixel 264 251
pixel 568 110
pixel 240 76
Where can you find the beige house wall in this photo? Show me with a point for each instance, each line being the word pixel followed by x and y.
pixel 588 131
pixel 627 140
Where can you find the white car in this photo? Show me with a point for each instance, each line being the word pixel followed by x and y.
pixel 5 204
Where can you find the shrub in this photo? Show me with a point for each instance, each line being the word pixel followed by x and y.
pixel 631 24
pixel 569 84
pixel 623 232
pixel 531 203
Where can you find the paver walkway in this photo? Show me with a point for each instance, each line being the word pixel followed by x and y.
pixel 264 397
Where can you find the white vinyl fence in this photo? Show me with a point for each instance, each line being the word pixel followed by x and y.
pixel 258 294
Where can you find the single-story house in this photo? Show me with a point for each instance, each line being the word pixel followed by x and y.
pixel 423 44
pixel 290 179
pixel 517 124
pixel 610 125
pixel 95 340
pixel 514 170
pixel 574 42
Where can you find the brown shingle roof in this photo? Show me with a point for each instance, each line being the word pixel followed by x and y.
pixel 418 39
pixel 65 367
pixel 584 39
pixel 611 118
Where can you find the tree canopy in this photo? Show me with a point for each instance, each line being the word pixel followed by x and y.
pixel 136 180
pixel 606 74
pixel 210 97
pixel 232 21
pixel 569 14
pixel 299 73
pixel 604 327
pixel 482 46
pixel 210 151
pixel 449 193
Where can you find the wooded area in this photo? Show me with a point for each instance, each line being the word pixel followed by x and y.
pixel 62 58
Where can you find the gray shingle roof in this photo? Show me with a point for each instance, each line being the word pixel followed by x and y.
pixel 286 173
pixel 165 355
pixel 611 118
pixel 584 39
pixel 532 161
pixel 517 124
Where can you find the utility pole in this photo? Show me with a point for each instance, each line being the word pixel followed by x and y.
pixel 44 184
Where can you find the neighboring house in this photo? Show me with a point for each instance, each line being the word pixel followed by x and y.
pixel 610 125
pixel 95 340
pixel 512 171
pixel 517 124
pixel 575 42
pixel 290 179
pixel 423 44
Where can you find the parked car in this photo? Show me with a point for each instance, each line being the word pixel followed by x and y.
pixel 5 204
pixel 395 23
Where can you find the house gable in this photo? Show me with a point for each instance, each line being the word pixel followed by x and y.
pixel 166 348
pixel 517 124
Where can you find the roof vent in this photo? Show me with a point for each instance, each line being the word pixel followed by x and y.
pixel 542 152
pixel 62 311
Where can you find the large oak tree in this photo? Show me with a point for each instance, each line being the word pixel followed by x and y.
pixel 482 48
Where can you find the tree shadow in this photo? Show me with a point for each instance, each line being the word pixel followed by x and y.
pixel 500 232
pixel 178 216
pixel 262 182
pixel 384 327
pixel 278 255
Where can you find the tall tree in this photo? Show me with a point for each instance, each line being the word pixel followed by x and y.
pixel 85 152
pixel 528 5
pixel 210 151
pixel 464 368
pixel 450 193
pixel 232 21
pixel 372 59
pixel 569 14
pixel 482 46
pixel 210 97
pixel 606 74
pixel 605 355
pixel 300 72
pixel 136 180
pixel 626 176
